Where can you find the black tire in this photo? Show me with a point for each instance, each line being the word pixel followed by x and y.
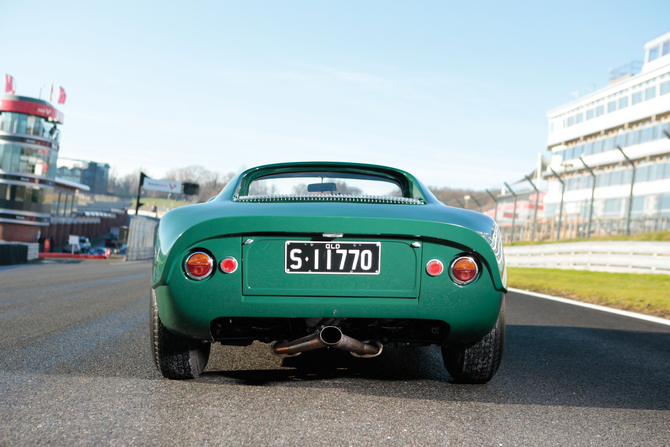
pixel 477 362
pixel 176 357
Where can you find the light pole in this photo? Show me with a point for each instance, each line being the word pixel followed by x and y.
pixel 537 198
pixel 513 212
pixel 478 204
pixel 495 213
pixel 630 197
pixel 560 211
pixel 593 193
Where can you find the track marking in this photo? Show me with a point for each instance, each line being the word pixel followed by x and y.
pixel 624 313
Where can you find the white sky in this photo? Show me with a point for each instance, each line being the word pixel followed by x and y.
pixel 453 92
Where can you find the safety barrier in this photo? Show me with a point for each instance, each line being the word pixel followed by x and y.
pixel 608 256
pixel 141 238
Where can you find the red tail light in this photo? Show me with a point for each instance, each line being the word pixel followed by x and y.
pixel 199 266
pixel 434 267
pixel 228 265
pixel 464 270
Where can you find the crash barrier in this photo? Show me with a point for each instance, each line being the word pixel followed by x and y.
pixel 606 256
pixel 69 255
pixel 18 252
pixel 141 238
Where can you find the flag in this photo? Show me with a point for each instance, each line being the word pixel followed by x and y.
pixel 10 85
pixel 61 96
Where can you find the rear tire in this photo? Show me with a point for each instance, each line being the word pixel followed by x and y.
pixel 175 356
pixel 477 362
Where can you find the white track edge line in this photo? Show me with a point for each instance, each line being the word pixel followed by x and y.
pixel 624 313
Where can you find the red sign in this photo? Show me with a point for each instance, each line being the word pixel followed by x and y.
pixel 31 108
pixel 9 84
pixel 61 96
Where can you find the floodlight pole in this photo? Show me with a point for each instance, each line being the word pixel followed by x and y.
pixel 560 211
pixel 537 198
pixel 495 213
pixel 139 189
pixel 632 183
pixel 478 204
pixel 513 212
pixel 593 193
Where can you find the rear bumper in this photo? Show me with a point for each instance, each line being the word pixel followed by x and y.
pixel 469 317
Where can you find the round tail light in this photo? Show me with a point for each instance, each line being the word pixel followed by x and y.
pixel 434 267
pixel 228 265
pixel 199 266
pixel 464 270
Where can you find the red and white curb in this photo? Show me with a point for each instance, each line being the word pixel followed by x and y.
pixel 624 313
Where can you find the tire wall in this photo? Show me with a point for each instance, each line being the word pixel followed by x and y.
pixel 13 254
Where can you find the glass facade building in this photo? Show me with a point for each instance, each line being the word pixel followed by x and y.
pixel 29 143
pixel 630 116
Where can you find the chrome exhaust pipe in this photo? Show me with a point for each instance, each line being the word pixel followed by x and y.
pixel 329 336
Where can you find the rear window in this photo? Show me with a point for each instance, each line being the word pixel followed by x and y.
pixel 324 184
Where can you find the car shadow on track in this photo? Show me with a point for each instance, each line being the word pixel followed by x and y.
pixel 542 365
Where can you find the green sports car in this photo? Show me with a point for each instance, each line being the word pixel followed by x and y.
pixel 305 256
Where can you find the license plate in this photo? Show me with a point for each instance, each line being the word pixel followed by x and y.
pixel 347 258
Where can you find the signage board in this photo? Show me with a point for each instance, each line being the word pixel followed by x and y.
pixel 162 185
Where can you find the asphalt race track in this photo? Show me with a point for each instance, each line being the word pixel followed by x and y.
pixel 75 369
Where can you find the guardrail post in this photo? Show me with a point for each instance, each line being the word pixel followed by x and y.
pixel 560 212
pixel 513 212
pixel 632 183
pixel 495 213
pixel 593 192
pixel 537 198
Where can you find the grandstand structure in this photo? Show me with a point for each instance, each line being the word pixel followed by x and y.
pixel 609 171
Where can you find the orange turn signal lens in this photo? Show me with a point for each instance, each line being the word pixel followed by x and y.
pixel 199 265
pixel 464 270
pixel 434 267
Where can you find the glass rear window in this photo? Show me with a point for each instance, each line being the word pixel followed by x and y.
pixel 325 183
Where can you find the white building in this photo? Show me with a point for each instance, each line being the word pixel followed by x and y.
pixel 631 113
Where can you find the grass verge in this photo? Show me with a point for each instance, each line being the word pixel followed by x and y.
pixel 644 293
pixel 660 236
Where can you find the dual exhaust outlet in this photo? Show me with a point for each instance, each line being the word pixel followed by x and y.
pixel 329 336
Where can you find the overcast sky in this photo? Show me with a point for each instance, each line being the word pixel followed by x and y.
pixel 454 92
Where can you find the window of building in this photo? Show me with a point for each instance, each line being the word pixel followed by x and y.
pixel 621 140
pixel 623 102
pixel 579 118
pixel 649 93
pixel 665 48
pixel 589 113
pixel 637 97
pixel 638 205
pixel 571 121
pixel 641 174
pixel 660 168
pixel 611 106
pixel 646 134
pixel 665 88
pixel 653 54
pixel 612 206
pixel 600 110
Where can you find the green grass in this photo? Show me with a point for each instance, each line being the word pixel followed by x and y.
pixel 658 236
pixel 644 293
